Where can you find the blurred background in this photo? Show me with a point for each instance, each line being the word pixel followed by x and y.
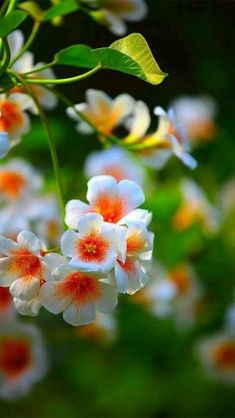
pixel 151 368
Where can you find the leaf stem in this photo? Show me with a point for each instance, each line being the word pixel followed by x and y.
pixel 7 56
pixel 28 43
pixel 51 142
pixel 38 69
pixel 63 80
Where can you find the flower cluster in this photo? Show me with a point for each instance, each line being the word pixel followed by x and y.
pixel 104 115
pixel 108 249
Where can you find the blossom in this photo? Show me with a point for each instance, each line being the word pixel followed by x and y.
pixel 217 354
pixel 13 118
pixel 114 201
pixel 195 207
pixel 104 113
pixel 131 273
pixel 157 147
pixel 196 115
pixel 103 329
pixel 26 64
pixel 18 179
pixel 25 267
pixel 77 294
pixel 96 246
pixel 22 359
pixel 113 13
pixel 4 144
pixel 114 162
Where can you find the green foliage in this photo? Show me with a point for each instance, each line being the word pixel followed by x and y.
pixel 61 9
pixel 130 55
pixel 11 21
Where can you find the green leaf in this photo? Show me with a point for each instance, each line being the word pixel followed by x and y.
pixel 77 56
pixel 61 9
pixel 130 55
pixel 33 9
pixel 11 21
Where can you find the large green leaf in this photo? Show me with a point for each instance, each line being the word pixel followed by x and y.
pixel 130 55
pixel 61 9
pixel 11 21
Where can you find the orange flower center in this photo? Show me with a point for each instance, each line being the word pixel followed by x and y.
pixel 11 116
pixel 81 287
pixel 135 242
pixel 112 209
pixel 92 247
pixel 26 264
pixel 12 183
pixel 5 299
pixel 15 356
pixel 224 355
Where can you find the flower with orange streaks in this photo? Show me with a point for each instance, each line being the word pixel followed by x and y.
pixel 77 294
pixel 217 354
pixel 25 267
pixel 114 201
pixel 22 359
pixel 196 115
pixel 131 274
pixel 115 162
pixel 104 113
pixel 13 118
pixel 97 244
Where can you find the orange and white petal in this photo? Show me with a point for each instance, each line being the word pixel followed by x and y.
pixel 28 240
pixel 101 186
pixel 139 123
pixel 28 308
pixel 7 246
pixel 90 222
pixel 98 265
pixel 108 300
pixel 129 276
pixel 132 10
pixel 52 300
pixel 122 107
pixel 116 235
pixel 7 276
pixel 99 102
pixel 68 243
pixel 79 315
pixel 73 211
pixel 26 288
pixel 22 100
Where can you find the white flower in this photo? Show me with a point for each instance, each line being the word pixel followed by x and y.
pixel 78 295
pixel 5 144
pixel 104 113
pixel 195 207
pixel 130 273
pixel 13 118
pixel 26 64
pixel 114 201
pixel 96 246
pixel 113 13
pixel 22 359
pixel 217 354
pixel 114 162
pixel 25 266
pixel 18 180
pixel 196 115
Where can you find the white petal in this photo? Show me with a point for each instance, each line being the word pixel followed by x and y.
pixel 104 266
pixel 131 193
pixel 15 41
pixel 128 280
pixel 82 315
pixel 4 144
pixel 31 307
pixel 51 300
pixel 29 240
pixel 115 24
pixel 101 185
pixel 68 243
pixel 51 262
pixel 23 100
pixel 108 298
pixel 140 122
pixel 6 276
pixel 97 100
pixel 25 289
pixel 138 215
pixel 137 12
pixel 89 222
pixel 7 246
pixel 73 211
pixel 122 107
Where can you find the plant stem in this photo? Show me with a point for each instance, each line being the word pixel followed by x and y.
pixel 63 80
pixel 7 56
pixel 38 69
pixel 28 43
pixel 11 6
pixel 51 142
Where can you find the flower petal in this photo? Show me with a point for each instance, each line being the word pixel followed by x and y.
pixel 68 243
pixel 108 298
pixel 25 288
pixel 73 211
pixel 82 315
